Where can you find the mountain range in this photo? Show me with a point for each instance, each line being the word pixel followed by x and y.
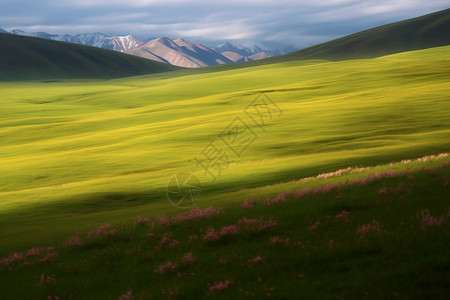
pixel 177 52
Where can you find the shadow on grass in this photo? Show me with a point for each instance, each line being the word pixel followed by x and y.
pixel 102 202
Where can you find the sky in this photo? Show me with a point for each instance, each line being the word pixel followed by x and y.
pixel 270 23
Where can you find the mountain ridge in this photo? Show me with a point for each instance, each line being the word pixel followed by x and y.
pixel 240 53
pixel 427 31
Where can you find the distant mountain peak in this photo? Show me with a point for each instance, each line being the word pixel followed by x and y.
pixel 125 43
pixel 179 52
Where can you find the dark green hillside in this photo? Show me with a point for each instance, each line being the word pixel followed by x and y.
pixel 428 31
pixel 25 58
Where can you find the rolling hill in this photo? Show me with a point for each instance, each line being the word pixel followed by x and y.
pixel 29 58
pixel 427 31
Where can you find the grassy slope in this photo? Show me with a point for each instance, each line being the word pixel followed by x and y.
pixel 419 33
pixel 413 34
pixel 375 235
pixel 25 58
pixel 75 154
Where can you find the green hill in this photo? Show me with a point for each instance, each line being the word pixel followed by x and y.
pixel 25 58
pixel 423 32
pixel 427 31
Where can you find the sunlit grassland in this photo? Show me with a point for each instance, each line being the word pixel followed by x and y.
pixel 74 154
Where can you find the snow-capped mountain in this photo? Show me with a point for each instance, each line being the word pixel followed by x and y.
pixel 239 49
pixel 3 31
pixel 125 43
pixel 90 39
pixel 96 39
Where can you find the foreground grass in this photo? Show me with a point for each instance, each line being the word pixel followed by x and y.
pixel 76 154
pixel 382 233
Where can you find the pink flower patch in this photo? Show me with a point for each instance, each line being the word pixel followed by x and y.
pixel 430 221
pixel 72 241
pixel 257 259
pixel 221 285
pixel 344 214
pixel 33 252
pixel 314 226
pixel 103 230
pixel 211 235
pixel 167 266
pixel 256 225
pixel 173 244
pixel 163 220
pixel 277 240
pixel 48 257
pixel 127 296
pixel 197 213
pixel 383 191
pixel 373 226
pixel 249 203
pixel 17 256
pixel 188 258
pixel 166 241
pixel 229 230
pixel 283 196
pixel 142 221
pixel 326 189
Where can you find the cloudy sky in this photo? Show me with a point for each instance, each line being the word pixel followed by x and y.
pixel 296 23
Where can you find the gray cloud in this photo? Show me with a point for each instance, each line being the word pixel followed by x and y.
pixel 297 23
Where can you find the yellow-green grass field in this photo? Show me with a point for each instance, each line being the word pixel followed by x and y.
pixel 75 154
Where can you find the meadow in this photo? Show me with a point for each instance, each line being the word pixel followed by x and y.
pixel 79 154
pixel 357 233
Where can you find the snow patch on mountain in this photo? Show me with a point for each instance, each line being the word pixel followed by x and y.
pixel 125 43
